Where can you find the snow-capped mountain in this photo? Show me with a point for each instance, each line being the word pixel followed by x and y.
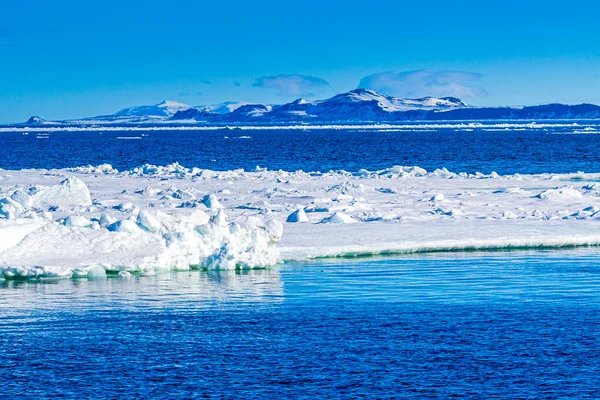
pixel 356 106
pixel 163 109
pixel 222 108
pixel 36 121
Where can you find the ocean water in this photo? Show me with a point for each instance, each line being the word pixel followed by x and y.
pixel 483 325
pixel 521 150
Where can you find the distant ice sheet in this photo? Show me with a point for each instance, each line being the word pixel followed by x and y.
pixel 490 126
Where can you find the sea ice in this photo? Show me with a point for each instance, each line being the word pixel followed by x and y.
pixel 127 228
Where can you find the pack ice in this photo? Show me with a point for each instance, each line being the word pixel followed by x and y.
pixel 58 231
pixel 88 221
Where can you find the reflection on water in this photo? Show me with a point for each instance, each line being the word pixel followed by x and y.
pixel 194 289
pixel 457 277
pixel 518 276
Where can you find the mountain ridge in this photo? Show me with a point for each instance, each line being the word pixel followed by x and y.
pixel 355 106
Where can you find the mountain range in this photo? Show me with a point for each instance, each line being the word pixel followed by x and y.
pixel 356 106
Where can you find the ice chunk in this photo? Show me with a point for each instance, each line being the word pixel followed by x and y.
pixel 69 193
pixel 100 169
pixel 125 207
pixel 124 225
pixel 25 200
pixel 338 218
pixel 148 272
pixel 9 201
pixel 148 222
pixel 8 211
pixel 211 201
pixel 297 216
pixel 106 220
pixel 275 230
pixel 560 193
pixel 76 220
pixel 254 221
pixel 35 272
pixel 96 272
pixel 203 230
pixel 46 215
pixel 220 219
pixel 125 274
pixel 147 191
pixel 183 195
pixel 14 231
pixel 438 197
pixel 198 217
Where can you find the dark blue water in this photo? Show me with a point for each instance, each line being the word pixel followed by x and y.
pixel 500 325
pixel 506 152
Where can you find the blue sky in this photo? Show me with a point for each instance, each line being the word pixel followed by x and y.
pixel 65 59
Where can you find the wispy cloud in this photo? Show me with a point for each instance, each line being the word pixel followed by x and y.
pixel 421 83
pixel 292 85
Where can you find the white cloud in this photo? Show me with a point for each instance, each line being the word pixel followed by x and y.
pixel 292 85
pixel 421 83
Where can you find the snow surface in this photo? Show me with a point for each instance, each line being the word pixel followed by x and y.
pixel 223 108
pixel 165 108
pixel 76 222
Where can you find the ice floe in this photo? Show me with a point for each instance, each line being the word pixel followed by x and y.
pixel 74 222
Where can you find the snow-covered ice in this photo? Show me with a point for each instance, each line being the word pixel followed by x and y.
pixel 78 221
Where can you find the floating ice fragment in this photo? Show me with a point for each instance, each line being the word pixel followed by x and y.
pixel 96 272
pixel 148 272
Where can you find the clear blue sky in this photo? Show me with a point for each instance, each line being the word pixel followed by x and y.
pixel 64 59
